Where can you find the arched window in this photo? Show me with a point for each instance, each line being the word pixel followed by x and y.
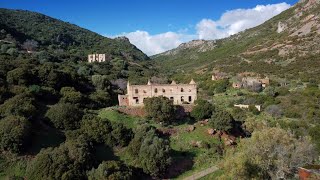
pixel 182 90
pixel 182 99
pixel 163 90
pixel 136 91
pixel 155 90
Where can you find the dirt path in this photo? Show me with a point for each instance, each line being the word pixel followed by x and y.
pixel 202 173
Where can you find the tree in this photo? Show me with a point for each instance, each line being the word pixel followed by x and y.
pixel 271 153
pixel 14 133
pixel 19 76
pixel 100 99
pixel 154 155
pixel 64 116
pixel 19 105
pixel 221 86
pixel 101 82
pixel 68 161
pixel 139 134
pixel 274 111
pixel 70 95
pixel 159 108
pixel 110 170
pixel 121 134
pixel 30 45
pixel 149 151
pixel 221 120
pixel 202 110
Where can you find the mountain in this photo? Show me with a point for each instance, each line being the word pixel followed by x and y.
pixel 286 45
pixel 55 35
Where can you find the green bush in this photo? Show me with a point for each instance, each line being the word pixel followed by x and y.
pixel 202 110
pixel 110 170
pixel 221 120
pixel 14 133
pixel 160 109
pixel 65 116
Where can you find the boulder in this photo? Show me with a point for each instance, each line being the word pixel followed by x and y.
pixel 191 128
pixel 211 131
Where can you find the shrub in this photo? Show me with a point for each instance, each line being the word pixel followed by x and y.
pixel 274 111
pixel 14 133
pixel 19 105
pixel 221 120
pixel 70 95
pixel 68 161
pixel 160 108
pixel 64 116
pixel 202 110
pixel 110 170
pixel 271 153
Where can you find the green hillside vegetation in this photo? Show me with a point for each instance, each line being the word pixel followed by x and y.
pixel 231 54
pixel 59 117
pixel 64 39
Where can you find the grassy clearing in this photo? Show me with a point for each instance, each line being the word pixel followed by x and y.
pixel 200 158
pixel 115 116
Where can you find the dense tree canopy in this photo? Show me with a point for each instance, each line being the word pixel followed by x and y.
pixel 221 120
pixel 202 110
pixel 68 161
pixel 64 116
pixel 159 108
pixel 14 133
pixel 111 170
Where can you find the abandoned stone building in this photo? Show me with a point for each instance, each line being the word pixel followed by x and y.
pixel 96 58
pixel 247 82
pixel 178 93
pixel 219 76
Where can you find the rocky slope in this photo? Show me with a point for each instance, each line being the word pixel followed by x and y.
pixel 287 42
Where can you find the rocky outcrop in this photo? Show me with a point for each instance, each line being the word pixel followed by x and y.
pixel 195 45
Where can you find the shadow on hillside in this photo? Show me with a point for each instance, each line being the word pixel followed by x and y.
pixel 182 161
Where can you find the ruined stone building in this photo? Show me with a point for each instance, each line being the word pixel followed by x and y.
pixel 219 76
pixel 247 82
pixel 96 58
pixel 178 93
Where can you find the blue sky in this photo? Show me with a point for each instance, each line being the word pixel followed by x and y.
pixel 150 19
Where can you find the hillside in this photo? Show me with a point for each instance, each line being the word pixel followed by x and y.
pixel 54 35
pixel 288 43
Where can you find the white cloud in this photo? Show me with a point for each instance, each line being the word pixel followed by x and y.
pixel 231 22
pixel 154 44
pixel 238 20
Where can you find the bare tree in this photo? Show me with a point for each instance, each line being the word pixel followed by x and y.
pixel 30 45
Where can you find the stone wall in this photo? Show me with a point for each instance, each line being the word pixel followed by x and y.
pixel 178 93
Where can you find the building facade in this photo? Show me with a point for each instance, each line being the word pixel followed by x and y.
pixel 96 58
pixel 178 93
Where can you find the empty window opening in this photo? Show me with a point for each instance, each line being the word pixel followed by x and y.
pixel 182 90
pixel 136 91
pixel 190 98
pixel 171 98
pixel 163 90
pixel 155 90
pixel 136 100
pixel 182 99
